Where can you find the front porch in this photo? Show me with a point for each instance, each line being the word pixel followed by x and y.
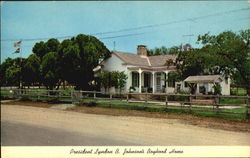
pixel 146 81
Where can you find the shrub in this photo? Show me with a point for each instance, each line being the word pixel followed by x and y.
pixel 53 101
pixel 132 89
pixel 217 89
pixel 5 97
pixel 210 93
pixel 232 92
pixel 202 89
pixel 91 104
pixel 183 98
pixel 25 98
pixel 150 90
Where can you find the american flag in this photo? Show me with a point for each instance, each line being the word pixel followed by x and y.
pixel 18 50
pixel 17 44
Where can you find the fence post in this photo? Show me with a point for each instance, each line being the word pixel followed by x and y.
pixel 127 97
pixel 94 94
pixel 190 101
pixel 71 93
pixel 38 94
pixel 247 108
pixel 166 101
pixel 216 103
pixel 110 102
pixel 48 93
pixel 146 97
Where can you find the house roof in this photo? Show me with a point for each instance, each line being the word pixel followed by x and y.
pixel 203 79
pixel 134 59
pixel 149 68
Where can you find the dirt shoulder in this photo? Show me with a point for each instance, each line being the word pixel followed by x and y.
pixel 208 122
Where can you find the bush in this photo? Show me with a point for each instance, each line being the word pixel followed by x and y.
pixel 132 89
pixel 53 101
pixel 91 104
pixel 5 97
pixel 217 89
pixel 202 89
pixel 232 92
pixel 25 98
pixel 183 98
pixel 210 93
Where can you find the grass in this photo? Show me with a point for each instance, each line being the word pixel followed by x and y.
pixel 152 107
pixel 160 108
pixel 235 101
pixel 239 91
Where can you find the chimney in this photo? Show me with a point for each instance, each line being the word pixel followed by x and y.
pixel 142 50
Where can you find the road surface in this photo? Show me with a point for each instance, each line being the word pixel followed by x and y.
pixel 33 126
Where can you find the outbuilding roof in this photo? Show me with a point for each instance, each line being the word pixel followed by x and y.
pixel 204 79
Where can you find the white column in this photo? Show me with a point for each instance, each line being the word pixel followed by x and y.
pixel 129 80
pixel 166 72
pixel 197 88
pixel 140 78
pixel 153 86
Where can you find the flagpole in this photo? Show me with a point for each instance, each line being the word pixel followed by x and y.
pixel 18 44
pixel 21 65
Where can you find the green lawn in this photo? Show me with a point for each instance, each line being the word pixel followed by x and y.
pixel 162 108
pixel 239 91
pixel 235 101
pixel 152 107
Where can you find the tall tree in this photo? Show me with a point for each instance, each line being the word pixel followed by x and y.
pixel 49 70
pixel 31 70
pixel 41 48
pixel 164 50
pixel 3 67
pixel 12 72
pixel 234 50
pixel 89 51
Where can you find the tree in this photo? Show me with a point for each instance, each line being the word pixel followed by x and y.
pixel 89 52
pixel 113 79
pixel 69 62
pixel 121 80
pixel 233 50
pixel 163 50
pixel 49 70
pixel 3 67
pixel 11 74
pixel 31 70
pixel 104 79
pixel 41 48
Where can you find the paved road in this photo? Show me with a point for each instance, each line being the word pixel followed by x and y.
pixel 22 125
pixel 21 134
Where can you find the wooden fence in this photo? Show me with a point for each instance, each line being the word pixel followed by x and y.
pixel 185 102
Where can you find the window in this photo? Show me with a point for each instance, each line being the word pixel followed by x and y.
pixel 171 83
pixel 147 80
pixel 171 79
pixel 185 84
pixel 135 79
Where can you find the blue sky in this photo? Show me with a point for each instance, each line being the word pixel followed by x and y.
pixel 49 19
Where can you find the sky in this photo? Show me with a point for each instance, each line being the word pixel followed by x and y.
pixel 120 25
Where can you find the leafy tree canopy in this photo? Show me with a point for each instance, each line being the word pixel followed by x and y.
pixel 163 50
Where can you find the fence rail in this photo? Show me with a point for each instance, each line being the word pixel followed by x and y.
pixel 188 102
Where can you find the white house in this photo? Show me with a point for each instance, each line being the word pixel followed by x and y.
pixel 145 73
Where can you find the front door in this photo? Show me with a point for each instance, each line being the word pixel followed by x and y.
pixel 158 82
